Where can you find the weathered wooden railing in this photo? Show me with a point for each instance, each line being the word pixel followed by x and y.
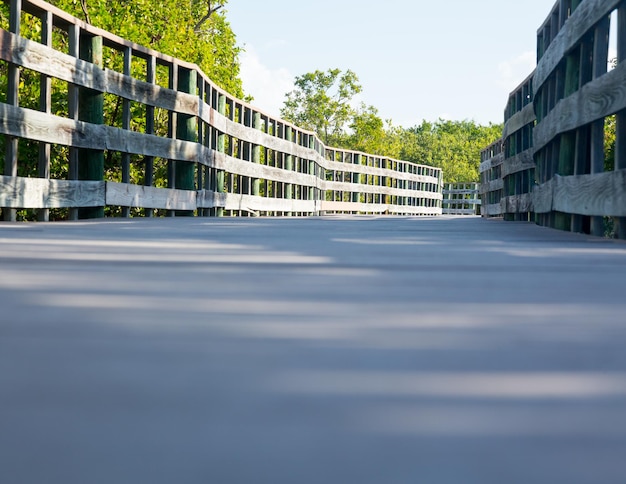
pixel 220 154
pixel 518 167
pixel 491 183
pixel 575 94
pixel 461 199
pixel 579 175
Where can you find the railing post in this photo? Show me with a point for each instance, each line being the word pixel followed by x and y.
pixel 620 131
pixel 289 167
pixel 128 55
pixel 13 83
pixel 45 105
pixel 91 110
pixel 148 178
pixel 256 155
pixel 74 42
pixel 221 148
pixel 186 129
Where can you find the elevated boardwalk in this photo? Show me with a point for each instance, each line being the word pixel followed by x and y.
pixel 306 350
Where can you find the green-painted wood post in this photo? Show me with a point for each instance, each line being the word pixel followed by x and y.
pixel 91 110
pixel 257 123
pixel 74 51
pixel 13 83
pixel 148 178
pixel 620 134
pixel 289 167
pixel 221 148
pixel 186 130
pixel 172 130
pixel 356 195
pixel 128 55
pixel 45 105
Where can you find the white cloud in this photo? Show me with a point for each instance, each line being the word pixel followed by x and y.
pixel 267 86
pixel 513 72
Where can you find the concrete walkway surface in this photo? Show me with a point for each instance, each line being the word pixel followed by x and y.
pixel 347 350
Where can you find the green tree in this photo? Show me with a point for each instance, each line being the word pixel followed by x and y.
pixel 321 102
pixel 453 146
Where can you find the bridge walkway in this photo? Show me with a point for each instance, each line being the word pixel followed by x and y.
pixel 332 349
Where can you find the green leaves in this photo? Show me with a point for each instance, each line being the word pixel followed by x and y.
pixel 321 102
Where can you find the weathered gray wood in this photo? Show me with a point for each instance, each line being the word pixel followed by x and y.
pixel 519 120
pixel 492 210
pixel 396 177
pixel 523 161
pixel 45 105
pixel 584 18
pixel 12 98
pixel 602 194
pixel 491 163
pixel 542 196
pixel 35 56
pixel 127 195
pixel 492 186
pixel 518 203
pixel 20 192
pixel 597 99
pixel 459 211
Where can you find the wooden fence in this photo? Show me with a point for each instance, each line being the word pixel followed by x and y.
pixel 221 155
pixel 461 199
pixel 562 165
pixel 491 183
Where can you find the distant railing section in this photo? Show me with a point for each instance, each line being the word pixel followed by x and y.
pixel 461 199
pixel 559 167
pixel 114 131
pixel 491 183
pixel 518 167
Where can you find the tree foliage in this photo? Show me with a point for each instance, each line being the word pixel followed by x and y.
pixel 321 102
pixel 453 146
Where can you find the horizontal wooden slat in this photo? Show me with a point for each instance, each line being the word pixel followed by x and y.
pixel 517 203
pixel 597 99
pixel 519 120
pixel 491 163
pixel 126 195
pixel 20 192
pixel 585 17
pixel 40 58
pixel 459 211
pixel 602 194
pixel 521 162
pixel 328 206
pixel 492 210
pixel 492 186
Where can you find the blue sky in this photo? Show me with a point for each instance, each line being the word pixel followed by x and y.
pixel 416 60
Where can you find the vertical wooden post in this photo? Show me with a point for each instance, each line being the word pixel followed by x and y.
pixel 600 61
pixel 186 129
pixel 221 148
pixel 312 170
pixel 620 134
pixel 128 55
pixel 289 167
pixel 356 195
pixel 256 155
pixel 74 41
pixel 171 133
pixel 148 177
pixel 45 105
pixel 13 83
pixel 91 110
